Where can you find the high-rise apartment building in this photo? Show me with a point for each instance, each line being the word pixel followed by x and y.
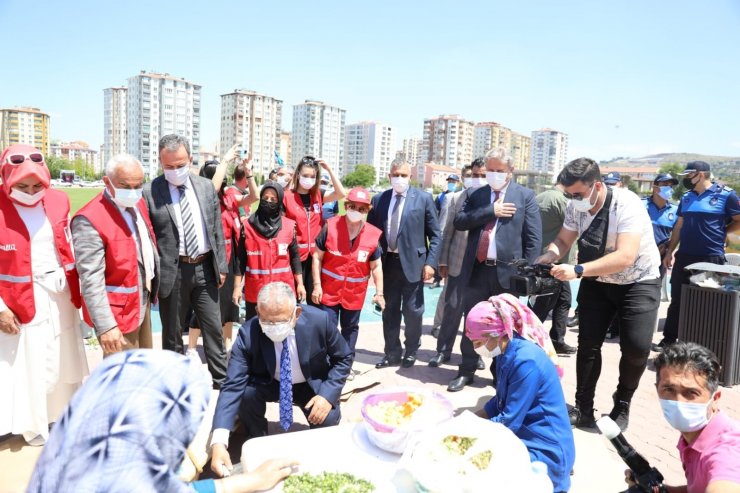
pixel 489 135
pixel 368 143
pixel 253 122
pixel 411 153
pixel 24 125
pixel 318 130
pixel 448 140
pixel 114 122
pixel 520 149
pixel 157 105
pixel 549 151
pixel 286 148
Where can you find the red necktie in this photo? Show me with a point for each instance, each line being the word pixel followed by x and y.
pixel 485 237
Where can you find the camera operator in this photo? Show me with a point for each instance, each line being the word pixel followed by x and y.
pixel 688 388
pixel 618 263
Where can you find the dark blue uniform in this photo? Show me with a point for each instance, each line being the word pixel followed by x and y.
pixel 663 219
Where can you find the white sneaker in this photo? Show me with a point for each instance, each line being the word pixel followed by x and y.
pixel 193 353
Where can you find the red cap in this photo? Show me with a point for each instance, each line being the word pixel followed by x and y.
pixel 359 195
pixel 12 174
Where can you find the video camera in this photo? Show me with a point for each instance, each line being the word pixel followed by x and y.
pixel 533 280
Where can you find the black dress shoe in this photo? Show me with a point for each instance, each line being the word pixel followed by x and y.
pixel 563 348
pixel 459 383
pixel 408 361
pixel 438 359
pixel 386 362
pixel 481 365
pixel 572 321
pixel 435 332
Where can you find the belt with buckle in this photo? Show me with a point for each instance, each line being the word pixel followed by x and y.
pixel 194 260
pixel 490 262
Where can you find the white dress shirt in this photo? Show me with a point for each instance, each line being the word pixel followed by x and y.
pixel 492 242
pixel 390 215
pixel 149 254
pixel 203 244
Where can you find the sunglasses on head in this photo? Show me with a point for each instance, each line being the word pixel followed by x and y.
pixel 17 159
pixel 311 161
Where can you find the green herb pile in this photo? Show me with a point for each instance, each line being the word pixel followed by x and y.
pixel 326 482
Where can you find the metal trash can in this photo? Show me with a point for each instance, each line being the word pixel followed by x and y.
pixel 711 317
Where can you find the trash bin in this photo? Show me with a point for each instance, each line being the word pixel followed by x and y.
pixel 711 317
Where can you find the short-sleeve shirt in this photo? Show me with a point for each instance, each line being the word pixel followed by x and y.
pixel 705 218
pixel 663 219
pixel 552 204
pixel 627 214
pixel 714 455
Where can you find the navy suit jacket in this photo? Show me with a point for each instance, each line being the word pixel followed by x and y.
pixel 324 356
pixel 419 237
pixel 517 237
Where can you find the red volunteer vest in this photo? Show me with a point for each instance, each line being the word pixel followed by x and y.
pixel 16 278
pixel 308 224
pixel 268 260
pixel 230 222
pixel 345 270
pixel 121 264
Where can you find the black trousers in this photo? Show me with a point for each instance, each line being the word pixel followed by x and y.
pixel 401 297
pixel 483 284
pixel 636 306
pixel 254 404
pixel 559 302
pixel 307 266
pixel 451 316
pixel 679 277
pixel 195 286
pixel 348 320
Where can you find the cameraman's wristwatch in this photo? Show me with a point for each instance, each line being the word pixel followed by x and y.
pixel 578 270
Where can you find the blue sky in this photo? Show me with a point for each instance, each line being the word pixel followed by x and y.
pixel 622 78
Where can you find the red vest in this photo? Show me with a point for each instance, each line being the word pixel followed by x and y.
pixel 268 260
pixel 308 224
pixel 230 222
pixel 121 264
pixel 345 269
pixel 16 278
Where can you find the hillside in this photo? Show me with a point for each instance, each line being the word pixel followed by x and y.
pixel 724 166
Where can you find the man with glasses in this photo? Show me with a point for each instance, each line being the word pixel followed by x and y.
pixel 289 354
pixel 707 213
pixel 618 266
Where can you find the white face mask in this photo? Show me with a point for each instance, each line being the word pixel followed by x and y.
pixel 686 416
pixel 496 180
pixel 26 198
pixel 306 182
pixel 355 216
pixel 584 204
pixel 127 197
pixel 467 182
pixel 177 176
pixel 277 332
pixel 476 182
pixel 484 352
pixel 282 181
pixel 400 184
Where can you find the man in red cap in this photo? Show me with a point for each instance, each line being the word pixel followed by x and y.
pixel 347 253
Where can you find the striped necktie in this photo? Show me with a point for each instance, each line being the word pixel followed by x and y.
pixel 188 225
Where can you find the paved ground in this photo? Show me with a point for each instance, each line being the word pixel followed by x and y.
pixel 597 468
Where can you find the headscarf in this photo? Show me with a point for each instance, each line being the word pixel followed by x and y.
pixel 505 314
pixel 13 173
pixel 127 428
pixel 267 219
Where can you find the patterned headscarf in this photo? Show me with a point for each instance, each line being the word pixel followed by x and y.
pixel 127 428
pixel 505 314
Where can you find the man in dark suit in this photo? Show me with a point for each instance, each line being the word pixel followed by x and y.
pixel 411 241
pixel 186 218
pixel 318 359
pixel 504 225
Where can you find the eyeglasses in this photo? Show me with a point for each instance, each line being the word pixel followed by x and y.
pixel 353 207
pixel 16 159
pixel 578 196
pixel 310 161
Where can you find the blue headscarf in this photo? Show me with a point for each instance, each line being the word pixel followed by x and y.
pixel 127 428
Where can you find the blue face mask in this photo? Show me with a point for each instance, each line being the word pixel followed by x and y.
pixel 666 192
pixel 451 187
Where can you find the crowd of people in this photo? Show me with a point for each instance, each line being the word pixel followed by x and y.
pixel 192 244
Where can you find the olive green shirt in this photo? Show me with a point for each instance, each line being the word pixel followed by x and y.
pixel 552 205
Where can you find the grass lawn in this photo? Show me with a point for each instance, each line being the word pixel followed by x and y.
pixel 79 196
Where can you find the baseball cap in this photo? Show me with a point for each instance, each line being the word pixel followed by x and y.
pixel 612 178
pixel 359 195
pixel 325 178
pixel 453 177
pixel 665 177
pixel 695 166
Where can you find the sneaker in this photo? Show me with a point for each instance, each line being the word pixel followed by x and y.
pixel 620 413
pixel 193 353
pixel 572 321
pixel 658 348
pixel 581 419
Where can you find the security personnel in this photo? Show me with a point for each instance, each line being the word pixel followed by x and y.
pixel 663 213
pixel 347 252
pixel 707 213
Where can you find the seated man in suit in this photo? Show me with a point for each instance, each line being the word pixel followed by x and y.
pixel 288 354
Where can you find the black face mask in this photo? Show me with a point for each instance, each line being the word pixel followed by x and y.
pixel 269 208
pixel 689 184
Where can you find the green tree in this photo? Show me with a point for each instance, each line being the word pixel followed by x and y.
pixel 362 176
pixel 674 169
